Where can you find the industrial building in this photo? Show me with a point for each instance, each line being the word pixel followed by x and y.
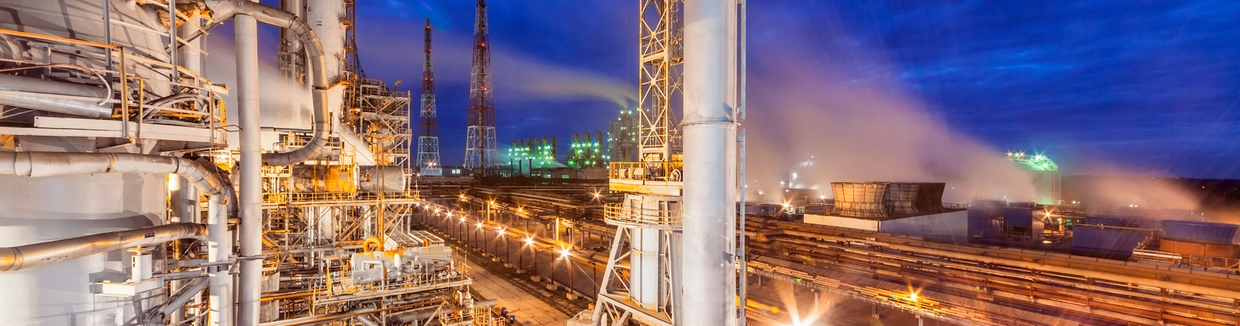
pixel 139 192
pixel 913 209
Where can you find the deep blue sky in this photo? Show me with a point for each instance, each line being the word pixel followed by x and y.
pixel 1148 86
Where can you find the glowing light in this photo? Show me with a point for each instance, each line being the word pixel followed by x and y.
pixel 563 252
pixel 912 297
pixel 529 240
pixel 462 219
pixel 500 230
pixel 479 225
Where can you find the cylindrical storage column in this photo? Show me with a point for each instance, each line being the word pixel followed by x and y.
pixel 709 168
pixel 251 167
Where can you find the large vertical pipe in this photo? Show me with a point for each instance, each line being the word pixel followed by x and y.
pixel 709 171
pixel 183 202
pixel 189 56
pixel 184 196
pixel 219 247
pixel 251 165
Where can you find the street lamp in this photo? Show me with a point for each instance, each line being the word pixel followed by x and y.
pixel 479 237
pixel 506 252
pixel 569 263
pixel 529 242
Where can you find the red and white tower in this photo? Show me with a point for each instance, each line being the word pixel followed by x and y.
pixel 480 148
pixel 428 133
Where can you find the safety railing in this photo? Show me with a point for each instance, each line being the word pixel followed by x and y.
pixel 647 171
pixel 193 100
pixel 618 214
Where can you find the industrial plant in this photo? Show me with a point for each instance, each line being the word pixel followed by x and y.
pixel 136 190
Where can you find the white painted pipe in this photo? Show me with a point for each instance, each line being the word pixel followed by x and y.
pixel 316 62
pixel 59 97
pixel 14 259
pixel 709 131
pixel 219 241
pixel 219 247
pixel 250 165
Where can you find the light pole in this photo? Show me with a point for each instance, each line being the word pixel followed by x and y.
pixel 569 263
pixel 501 232
pixel 479 237
pixel 521 256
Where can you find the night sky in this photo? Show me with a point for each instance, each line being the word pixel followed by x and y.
pixel 1137 87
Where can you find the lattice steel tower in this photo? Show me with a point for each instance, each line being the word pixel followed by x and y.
pixel 661 54
pixel 642 281
pixel 480 148
pixel 428 134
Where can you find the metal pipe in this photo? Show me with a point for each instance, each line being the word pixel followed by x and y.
pixel 183 203
pixel 251 197
pixel 219 244
pixel 316 61
pixel 709 131
pixel 14 259
pixel 741 112
pixel 183 296
pixel 219 247
pixel 173 44
pixel 88 106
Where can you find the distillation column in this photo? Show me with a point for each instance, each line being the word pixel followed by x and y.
pixel 709 129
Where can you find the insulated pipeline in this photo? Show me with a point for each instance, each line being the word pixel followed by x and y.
pixel 14 259
pixel 317 63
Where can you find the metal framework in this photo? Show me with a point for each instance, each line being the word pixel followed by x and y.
pixel 428 133
pixel 661 54
pixel 382 119
pixel 480 144
pixel 641 281
pixel 312 229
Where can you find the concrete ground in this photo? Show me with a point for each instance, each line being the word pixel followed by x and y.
pixel 529 310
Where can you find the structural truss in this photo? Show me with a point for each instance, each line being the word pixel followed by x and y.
pixel 480 145
pixel 661 55
pixel 428 135
pixel 641 281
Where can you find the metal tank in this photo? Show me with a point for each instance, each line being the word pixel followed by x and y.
pixel 40 209
pixel 35 210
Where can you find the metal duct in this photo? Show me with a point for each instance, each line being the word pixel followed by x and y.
pixel 381 178
pixel 364 320
pixel 14 259
pixel 46 164
pixel 54 96
pixel 226 9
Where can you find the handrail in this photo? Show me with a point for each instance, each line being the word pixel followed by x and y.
pixel 646 171
pixel 619 214
pixel 201 111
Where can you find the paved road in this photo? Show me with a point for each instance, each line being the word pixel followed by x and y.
pixel 528 309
